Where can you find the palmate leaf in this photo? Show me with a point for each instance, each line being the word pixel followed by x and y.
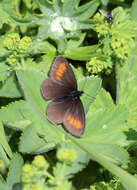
pixel 4 71
pixel 14 174
pixel 81 53
pixel 15 171
pixel 69 5
pixel 46 7
pixel 134 10
pixel 3 184
pixel 3 141
pixel 85 11
pixel 127 179
pixel 10 88
pixel 127 88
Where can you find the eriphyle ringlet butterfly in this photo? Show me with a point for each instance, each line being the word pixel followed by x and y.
pixel 66 107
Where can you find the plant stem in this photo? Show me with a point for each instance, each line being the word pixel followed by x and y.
pixel 117 68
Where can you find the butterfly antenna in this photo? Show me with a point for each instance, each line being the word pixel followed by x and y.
pixel 90 97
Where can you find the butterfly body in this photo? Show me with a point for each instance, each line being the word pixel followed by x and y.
pixel 66 106
pixel 74 95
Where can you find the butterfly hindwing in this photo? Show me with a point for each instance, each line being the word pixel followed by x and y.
pixel 74 119
pixel 57 109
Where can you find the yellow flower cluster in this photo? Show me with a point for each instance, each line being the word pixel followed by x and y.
pixel 95 66
pixel 17 47
pixel 68 156
pixel 116 41
pixel 34 175
pixel 14 43
pixel 102 26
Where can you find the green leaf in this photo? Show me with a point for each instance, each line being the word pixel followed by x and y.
pixel 127 88
pixel 77 41
pixel 30 141
pixel 3 184
pixel 105 2
pixel 37 105
pixel 38 46
pixel 17 111
pixel 104 129
pixel 15 171
pixel 3 156
pixel 134 10
pixel 67 6
pixel 91 86
pixel 10 88
pixel 4 71
pixel 46 7
pixel 80 53
pixel 125 177
pixel 85 11
pixel 3 141
pixel 103 101
pixel 58 7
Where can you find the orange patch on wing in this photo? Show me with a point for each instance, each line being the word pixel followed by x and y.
pixel 62 68
pixel 75 122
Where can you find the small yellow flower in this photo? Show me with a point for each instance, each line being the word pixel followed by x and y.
pixel 95 66
pixel 40 162
pixel 12 41
pixel 27 168
pixel 24 43
pixel 27 173
pixel 67 155
pixel 12 60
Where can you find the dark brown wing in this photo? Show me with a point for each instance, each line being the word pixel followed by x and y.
pixel 57 109
pixel 61 72
pixel 52 90
pixel 61 82
pixel 74 118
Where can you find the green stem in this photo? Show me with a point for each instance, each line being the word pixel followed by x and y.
pixel 23 62
pixel 117 67
pixel 49 175
pixel 61 176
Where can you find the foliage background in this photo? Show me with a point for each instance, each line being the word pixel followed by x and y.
pixel 101 47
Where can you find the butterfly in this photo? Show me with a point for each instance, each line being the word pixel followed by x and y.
pixel 66 106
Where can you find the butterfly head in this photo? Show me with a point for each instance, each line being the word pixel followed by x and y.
pixel 75 94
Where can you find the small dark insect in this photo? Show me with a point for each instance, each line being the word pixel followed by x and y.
pixel 108 15
pixel 66 107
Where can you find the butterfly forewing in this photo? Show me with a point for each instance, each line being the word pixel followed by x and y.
pixel 74 119
pixel 61 72
pixel 52 90
pixel 61 81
